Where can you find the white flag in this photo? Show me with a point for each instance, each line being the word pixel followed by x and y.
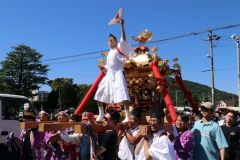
pixel 117 17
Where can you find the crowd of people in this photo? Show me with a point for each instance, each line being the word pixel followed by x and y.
pixel 205 135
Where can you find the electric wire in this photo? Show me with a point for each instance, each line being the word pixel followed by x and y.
pixel 151 42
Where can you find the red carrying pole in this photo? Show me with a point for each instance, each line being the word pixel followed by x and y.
pixel 164 92
pixel 187 94
pixel 89 93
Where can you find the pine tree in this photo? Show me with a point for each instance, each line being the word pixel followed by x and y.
pixel 22 71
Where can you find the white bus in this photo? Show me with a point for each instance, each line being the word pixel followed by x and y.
pixel 11 109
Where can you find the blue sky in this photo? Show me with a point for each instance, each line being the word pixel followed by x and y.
pixel 58 28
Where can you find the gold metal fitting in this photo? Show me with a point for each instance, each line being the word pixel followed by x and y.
pixel 150 75
pixel 159 88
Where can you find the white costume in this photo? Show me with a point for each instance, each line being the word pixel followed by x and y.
pixel 65 133
pixel 126 149
pixel 71 138
pixel 113 87
pixel 160 148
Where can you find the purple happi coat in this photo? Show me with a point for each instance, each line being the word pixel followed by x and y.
pixel 183 144
pixel 40 148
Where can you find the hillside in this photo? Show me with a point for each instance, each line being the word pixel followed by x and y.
pixel 200 93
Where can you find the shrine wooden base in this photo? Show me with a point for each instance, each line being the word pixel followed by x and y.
pixel 79 127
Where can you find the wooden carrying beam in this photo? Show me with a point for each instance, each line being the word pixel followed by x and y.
pixel 81 128
pixel 57 126
pixel 146 129
pixel 31 124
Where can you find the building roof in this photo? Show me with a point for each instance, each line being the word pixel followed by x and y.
pixel 229 102
pixel 12 96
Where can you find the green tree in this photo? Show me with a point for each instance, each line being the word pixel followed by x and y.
pixel 91 106
pixel 22 71
pixel 66 92
pixel 52 102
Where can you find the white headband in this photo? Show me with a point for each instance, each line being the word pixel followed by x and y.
pixel 63 112
pixel 43 112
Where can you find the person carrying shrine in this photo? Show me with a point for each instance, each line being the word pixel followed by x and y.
pixel 24 136
pixel 41 150
pixel 156 145
pixel 113 88
pixel 130 136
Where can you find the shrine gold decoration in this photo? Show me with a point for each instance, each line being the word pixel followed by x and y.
pixel 143 36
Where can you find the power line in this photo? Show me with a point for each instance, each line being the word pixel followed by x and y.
pixel 72 56
pixel 181 57
pixel 151 42
pixel 76 60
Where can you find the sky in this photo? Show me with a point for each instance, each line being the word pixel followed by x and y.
pixel 62 28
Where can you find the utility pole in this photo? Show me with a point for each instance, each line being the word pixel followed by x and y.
pixel 210 38
pixel 237 39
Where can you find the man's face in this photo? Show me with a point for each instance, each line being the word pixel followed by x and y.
pixel 206 112
pixel 108 120
pixel 229 118
pixel 63 118
pixel 155 124
pixel 112 42
pixel 133 122
pixel 43 117
pixel 217 115
pixel 180 124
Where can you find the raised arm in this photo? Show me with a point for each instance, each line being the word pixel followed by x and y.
pixel 133 139
pixel 123 30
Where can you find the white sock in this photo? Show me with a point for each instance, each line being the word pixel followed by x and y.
pixel 101 114
pixel 101 111
pixel 127 113
pixel 126 119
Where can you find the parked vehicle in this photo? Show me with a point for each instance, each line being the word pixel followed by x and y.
pixel 11 110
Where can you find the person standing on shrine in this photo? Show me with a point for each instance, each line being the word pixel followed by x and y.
pixel 113 87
